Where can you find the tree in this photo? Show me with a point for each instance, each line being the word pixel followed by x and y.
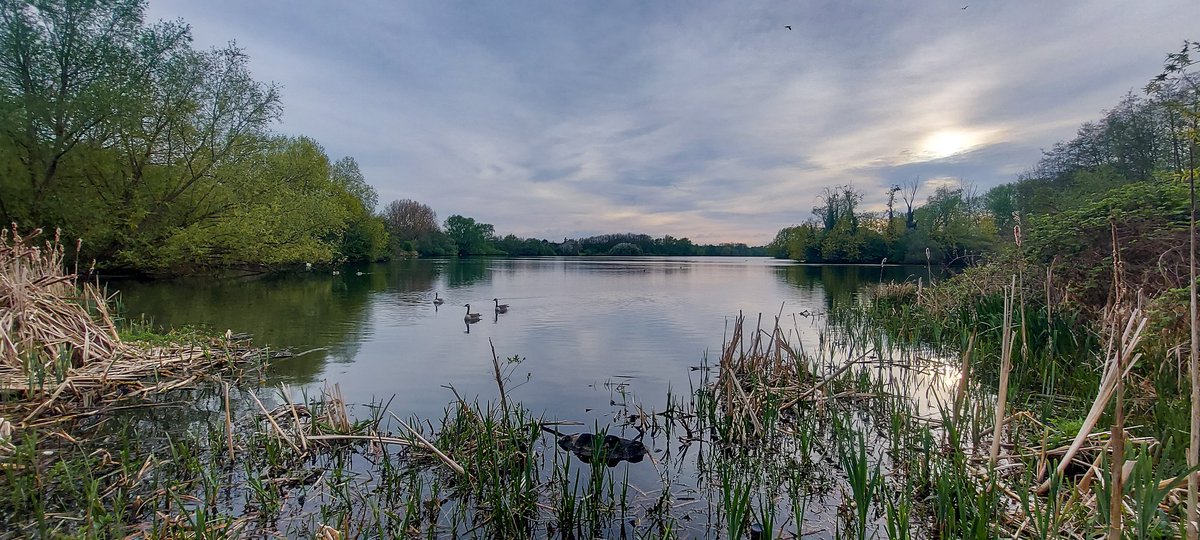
pixel 158 155
pixel 282 209
pixel 471 238
pixel 346 174
pixel 951 220
pixel 409 220
pixel 908 192
pixel 625 249
pixel 837 204
pixel 119 132
pixel 413 227
pixel 67 70
pixel 365 237
pixel 891 215
pixel 1001 203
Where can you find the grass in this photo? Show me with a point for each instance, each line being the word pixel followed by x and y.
pixel 867 434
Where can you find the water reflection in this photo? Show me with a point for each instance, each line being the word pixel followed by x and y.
pixel 465 272
pixel 840 283
pixel 590 342
pixel 574 322
pixel 298 311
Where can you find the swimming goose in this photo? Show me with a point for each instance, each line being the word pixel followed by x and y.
pixel 437 301
pixel 500 308
pixel 471 317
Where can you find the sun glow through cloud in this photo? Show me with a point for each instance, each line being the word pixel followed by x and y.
pixel 946 143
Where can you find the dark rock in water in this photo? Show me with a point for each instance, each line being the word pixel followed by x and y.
pixel 611 449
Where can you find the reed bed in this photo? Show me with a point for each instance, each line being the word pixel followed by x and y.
pixel 45 315
pixel 1082 459
pixel 60 347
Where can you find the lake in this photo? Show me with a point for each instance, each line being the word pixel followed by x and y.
pixel 597 342
pixel 581 325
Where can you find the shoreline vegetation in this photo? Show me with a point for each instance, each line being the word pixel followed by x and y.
pixel 880 431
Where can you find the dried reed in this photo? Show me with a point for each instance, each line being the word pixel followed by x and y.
pixel 45 317
pixel 56 333
pixel 1006 345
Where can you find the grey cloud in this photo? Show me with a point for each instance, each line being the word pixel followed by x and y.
pixel 707 120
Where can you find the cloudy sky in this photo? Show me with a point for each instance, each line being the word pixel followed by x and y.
pixel 706 120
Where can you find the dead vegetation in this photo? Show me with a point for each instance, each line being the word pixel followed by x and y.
pixel 59 344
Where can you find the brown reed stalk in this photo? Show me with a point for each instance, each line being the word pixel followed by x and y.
pixel 1120 349
pixel 1007 340
pixel 1117 433
pixel 964 375
pixel 282 434
pixel 499 379
pixel 228 423
pixel 429 446
pixel 44 315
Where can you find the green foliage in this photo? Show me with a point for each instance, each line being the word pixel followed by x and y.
pixel 667 245
pixel 953 226
pixel 471 238
pixel 625 249
pixel 365 240
pixel 525 247
pixel 157 155
pixel 1150 222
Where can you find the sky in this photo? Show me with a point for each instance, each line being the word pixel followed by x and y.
pixel 706 120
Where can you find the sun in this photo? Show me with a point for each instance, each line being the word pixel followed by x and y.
pixel 947 143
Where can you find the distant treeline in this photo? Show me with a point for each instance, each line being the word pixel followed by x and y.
pixel 641 244
pixel 414 231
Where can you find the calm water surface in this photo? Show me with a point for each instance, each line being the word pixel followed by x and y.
pixel 598 338
pixel 586 328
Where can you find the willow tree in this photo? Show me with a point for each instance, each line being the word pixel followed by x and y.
pixel 68 70
pixel 203 115
pixel 117 130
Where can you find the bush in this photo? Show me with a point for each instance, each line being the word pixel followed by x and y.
pixel 625 249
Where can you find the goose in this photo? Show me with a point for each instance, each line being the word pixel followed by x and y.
pixel 471 317
pixel 500 308
pixel 437 301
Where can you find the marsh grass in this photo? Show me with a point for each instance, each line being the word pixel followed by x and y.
pixel 866 432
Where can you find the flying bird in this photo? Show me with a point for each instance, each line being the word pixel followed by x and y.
pixel 788 26
pixel 965 7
